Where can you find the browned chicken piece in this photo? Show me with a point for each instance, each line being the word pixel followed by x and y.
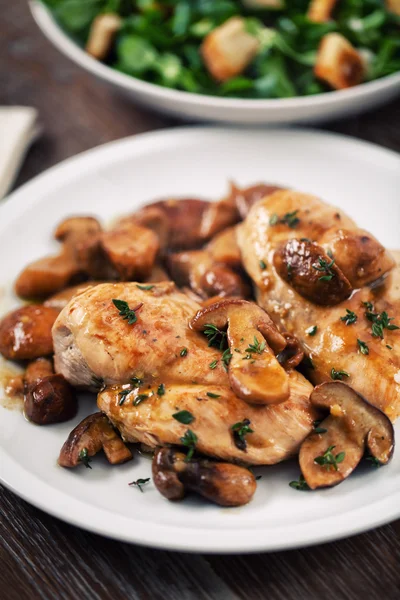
pixel 320 11
pixel 277 430
pixel 350 340
pixel 93 341
pixel 199 271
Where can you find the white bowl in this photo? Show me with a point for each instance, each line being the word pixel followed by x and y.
pixel 184 105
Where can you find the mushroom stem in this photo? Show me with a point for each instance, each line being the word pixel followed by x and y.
pixel 222 483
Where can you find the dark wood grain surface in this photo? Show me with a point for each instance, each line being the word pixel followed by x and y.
pixel 42 557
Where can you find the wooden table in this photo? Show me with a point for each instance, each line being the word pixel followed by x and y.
pixel 41 557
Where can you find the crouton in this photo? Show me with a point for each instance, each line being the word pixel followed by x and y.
pixel 393 6
pixel 320 11
pixel 229 49
pixel 338 62
pixel 101 35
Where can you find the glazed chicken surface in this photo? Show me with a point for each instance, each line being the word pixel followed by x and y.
pixel 328 282
pixel 94 343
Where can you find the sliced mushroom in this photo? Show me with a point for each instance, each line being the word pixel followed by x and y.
pixel 152 217
pixel 244 198
pixel 254 372
pixel 359 255
pixel 25 333
pixel 183 218
pixel 196 269
pixel 47 276
pixel 293 354
pixel 48 397
pixel 311 272
pixel 76 229
pixel 224 248
pixel 353 426
pixel 222 483
pixel 191 222
pixel 93 434
pixel 131 249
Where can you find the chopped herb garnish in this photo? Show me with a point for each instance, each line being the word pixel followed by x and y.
pixel 290 219
pixel 211 395
pixel 258 477
pixel 184 352
pixel 213 364
pixel 380 322
pixel 123 394
pixel 328 459
pixel 84 458
pixel 374 461
pixel 319 430
pixel 311 331
pixel 263 265
pixel 308 362
pixel 339 374
pixel 226 359
pixel 136 381
pixel 216 337
pixel 189 440
pixel 300 485
pixel 183 416
pixel 161 390
pixel 363 347
pixel 240 430
pixel 145 288
pixel 390 347
pixel 368 305
pixel 256 346
pixel 98 382
pixel 329 253
pixel 349 318
pixel 273 220
pixel 305 240
pixel 139 482
pixel 128 314
pixel 140 398
pixel 324 267
pixel 289 270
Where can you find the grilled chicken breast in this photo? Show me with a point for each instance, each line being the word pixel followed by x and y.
pixel 278 430
pixel 338 337
pixel 158 366
pixel 93 342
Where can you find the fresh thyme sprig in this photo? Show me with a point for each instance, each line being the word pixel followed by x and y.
pixel 128 314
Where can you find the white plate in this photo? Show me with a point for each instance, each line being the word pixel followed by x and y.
pixel 360 178
pixel 229 110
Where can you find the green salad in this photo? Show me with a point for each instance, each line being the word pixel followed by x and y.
pixel 246 49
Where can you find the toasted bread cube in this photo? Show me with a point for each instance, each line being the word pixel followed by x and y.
pixel 338 62
pixel 393 6
pixel 264 4
pixel 320 11
pixel 228 49
pixel 101 35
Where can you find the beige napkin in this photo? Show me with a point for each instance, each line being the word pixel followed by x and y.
pixel 19 127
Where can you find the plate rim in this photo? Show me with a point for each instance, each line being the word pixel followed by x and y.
pixel 80 513
pixel 62 41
